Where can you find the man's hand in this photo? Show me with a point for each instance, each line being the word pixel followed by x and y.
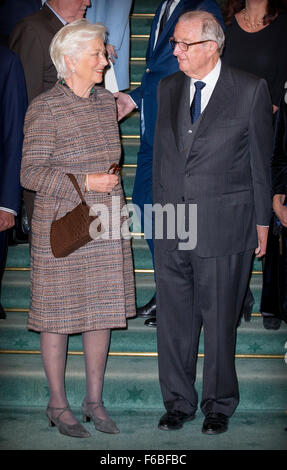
pixel 262 233
pixel 7 220
pixel 112 55
pixel 124 104
pixel 279 208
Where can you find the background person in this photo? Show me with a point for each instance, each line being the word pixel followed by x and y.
pixel 274 289
pixel 115 16
pixel 256 34
pixel 13 104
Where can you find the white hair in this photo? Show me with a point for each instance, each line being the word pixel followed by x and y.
pixel 71 39
pixel 210 29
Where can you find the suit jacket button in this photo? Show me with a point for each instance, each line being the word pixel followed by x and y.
pixel 147 70
pixel 189 131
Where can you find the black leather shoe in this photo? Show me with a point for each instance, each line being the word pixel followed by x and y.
pixel 215 423
pixel 151 321
pixel 271 323
pixel 148 309
pixel 173 420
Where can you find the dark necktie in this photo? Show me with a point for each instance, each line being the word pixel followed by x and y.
pixel 165 16
pixel 195 109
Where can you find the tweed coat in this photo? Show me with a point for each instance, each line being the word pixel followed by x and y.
pixel 92 288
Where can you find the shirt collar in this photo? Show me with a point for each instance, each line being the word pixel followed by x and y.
pixel 211 78
pixel 55 13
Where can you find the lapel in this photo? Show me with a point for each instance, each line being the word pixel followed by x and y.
pixel 169 26
pixel 153 30
pixel 222 94
pixel 180 108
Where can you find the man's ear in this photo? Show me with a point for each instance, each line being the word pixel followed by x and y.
pixel 213 46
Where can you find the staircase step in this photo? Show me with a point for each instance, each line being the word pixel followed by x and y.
pixel 130 150
pixel 140 25
pixel 144 7
pixel 18 256
pixel 16 289
pixel 132 382
pixel 27 428
pixel 252 339
pixel 137 70
pixel 131 124
pixel 139 47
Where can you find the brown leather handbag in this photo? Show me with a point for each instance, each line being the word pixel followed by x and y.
pixel 71 231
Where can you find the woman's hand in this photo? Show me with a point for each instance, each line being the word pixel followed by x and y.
pixel 279 208
pixel 102 182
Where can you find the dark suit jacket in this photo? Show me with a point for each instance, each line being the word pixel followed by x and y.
pixel 31 39
pixel 223 165
pixel 13 103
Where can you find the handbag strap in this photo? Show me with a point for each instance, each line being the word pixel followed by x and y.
pixel 77 187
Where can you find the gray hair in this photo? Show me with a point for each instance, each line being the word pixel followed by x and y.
pixel 211 29
pixel 70 41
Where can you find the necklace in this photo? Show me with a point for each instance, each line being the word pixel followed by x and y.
pixel 252 25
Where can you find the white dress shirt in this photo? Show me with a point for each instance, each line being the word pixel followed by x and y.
pixel 210 80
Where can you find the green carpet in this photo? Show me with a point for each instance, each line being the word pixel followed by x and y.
pixel 131 388
pixel 247 431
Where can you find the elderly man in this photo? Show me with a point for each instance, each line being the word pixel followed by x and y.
pixel 13 103
pixel 160 62
pixel 212 152
pixel 30 39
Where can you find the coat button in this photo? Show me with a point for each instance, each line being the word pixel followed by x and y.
pixel 189 131
pixel 147 70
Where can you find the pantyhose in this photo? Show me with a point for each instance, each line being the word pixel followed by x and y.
pixel 54 354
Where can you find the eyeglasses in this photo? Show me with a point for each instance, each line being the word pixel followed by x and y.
pixel 185 45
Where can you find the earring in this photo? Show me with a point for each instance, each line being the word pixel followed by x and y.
pixel 73 70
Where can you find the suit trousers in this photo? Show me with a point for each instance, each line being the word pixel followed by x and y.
pixel 195 292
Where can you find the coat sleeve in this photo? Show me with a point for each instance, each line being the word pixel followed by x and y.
pixel 13 108
pixel 116 21
pixel 279 161
pixel 37 171
pixel 261 136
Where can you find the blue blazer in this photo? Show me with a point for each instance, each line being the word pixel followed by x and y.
pixel 13 105
pixel 115 16
pixel 161 62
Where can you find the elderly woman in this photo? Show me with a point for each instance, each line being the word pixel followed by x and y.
pixel 73 128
